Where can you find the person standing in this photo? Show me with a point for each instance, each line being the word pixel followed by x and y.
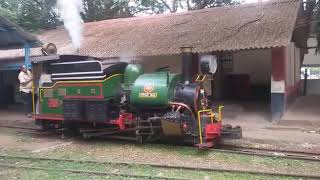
pixel 25 78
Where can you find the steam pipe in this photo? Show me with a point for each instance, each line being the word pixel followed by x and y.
pixel 186 56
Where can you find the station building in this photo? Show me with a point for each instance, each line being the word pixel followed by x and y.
pixel 260 48
pixel 13 37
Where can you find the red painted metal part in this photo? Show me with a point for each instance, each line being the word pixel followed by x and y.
pixel 213 131
pixel 53 103
pixel 83 97
pixel 48 117
pixel 122 119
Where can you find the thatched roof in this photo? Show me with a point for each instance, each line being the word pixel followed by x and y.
pixel 250 26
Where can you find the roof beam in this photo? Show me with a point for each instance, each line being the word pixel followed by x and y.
pixel 2 29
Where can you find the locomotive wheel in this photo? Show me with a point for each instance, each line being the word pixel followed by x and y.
pixel 45 125
pixel 140 139
pixel 238 131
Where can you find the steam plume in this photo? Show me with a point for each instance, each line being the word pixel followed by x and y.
pixel 69 12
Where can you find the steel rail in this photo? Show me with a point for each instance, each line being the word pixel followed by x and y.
pixel 90 172
pixel 233 149
pixel 31 131
pixel 207 169
pixel 19 127
pixel 271 150
pixel 270 153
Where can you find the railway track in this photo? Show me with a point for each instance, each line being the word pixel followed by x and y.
pixel 6 161
pixel 19 127
pixel 100 173
pixel 223 148
pixel 268 152
pixel 30 130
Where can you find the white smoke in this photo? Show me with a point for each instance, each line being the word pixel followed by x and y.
pixel 69 12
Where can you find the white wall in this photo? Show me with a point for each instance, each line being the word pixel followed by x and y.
pixel 152 63
pixel 256 63
pixel 311 58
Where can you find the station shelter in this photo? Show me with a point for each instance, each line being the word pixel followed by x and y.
pixel 259 48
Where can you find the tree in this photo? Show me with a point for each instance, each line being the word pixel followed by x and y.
pixel 34 15
pixel 7 9
pixel 97 10
pixel 160 6
pixel 30 14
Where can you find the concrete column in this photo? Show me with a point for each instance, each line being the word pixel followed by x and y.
pixel 278 85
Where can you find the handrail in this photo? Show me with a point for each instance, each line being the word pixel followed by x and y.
pixel 199 121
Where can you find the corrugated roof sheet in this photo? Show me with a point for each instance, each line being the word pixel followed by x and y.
pixel 249 26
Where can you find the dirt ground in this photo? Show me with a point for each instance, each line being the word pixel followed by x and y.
pixel 24 139
pixel 258 131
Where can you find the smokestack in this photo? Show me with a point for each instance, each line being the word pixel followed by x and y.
pixel 186 56
pixel 69 12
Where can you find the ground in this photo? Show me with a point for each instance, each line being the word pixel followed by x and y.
pixel 258 131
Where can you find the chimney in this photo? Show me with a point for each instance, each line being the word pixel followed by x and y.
pixel 186 56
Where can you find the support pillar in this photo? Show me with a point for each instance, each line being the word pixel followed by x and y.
pixel 278 79
pixel 27 62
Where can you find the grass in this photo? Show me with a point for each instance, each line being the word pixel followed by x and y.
pixel 123 151
pixel 134 169
pixel 54 175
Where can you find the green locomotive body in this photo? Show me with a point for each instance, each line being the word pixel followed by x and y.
pixel 154 90
pixel 119 100
pixel 51 97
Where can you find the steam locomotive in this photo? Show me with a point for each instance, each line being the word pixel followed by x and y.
pixel 118 100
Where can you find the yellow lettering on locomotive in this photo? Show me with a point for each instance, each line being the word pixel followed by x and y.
pixel 148 95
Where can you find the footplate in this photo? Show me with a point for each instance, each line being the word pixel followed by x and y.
pixel 230 132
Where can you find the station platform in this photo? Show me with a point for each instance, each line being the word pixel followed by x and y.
pixel 259 131
pixel 304 112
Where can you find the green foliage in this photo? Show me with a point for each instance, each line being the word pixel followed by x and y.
pixel 8 14
pixel 160 6
pixel 97 10
pixel 34 15
pixel 30 14
pixel 7 9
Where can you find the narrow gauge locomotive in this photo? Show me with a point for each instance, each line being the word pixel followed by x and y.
pixel 119 100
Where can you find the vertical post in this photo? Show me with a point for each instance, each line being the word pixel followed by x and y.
pixel 186 56
pixel 278 77
pixel 305 81
pixel 27 55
